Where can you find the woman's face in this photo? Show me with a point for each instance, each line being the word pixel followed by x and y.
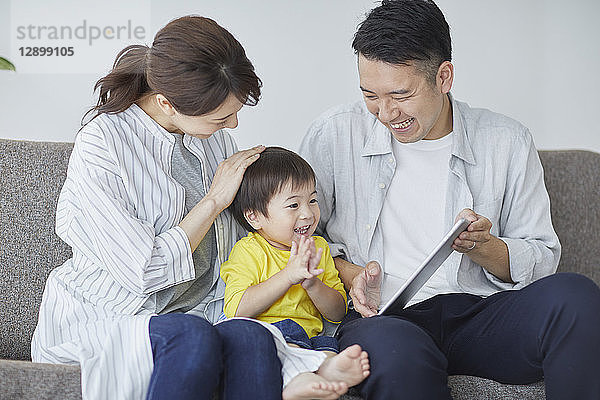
pixel 203 126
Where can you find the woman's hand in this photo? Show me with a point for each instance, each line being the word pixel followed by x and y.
pixel 228 176
pixel 225 185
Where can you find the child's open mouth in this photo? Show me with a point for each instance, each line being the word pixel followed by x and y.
pixel 302 230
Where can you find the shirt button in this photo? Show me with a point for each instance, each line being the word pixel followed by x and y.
pixel 381 185
pixel 391 160
pixel 367 227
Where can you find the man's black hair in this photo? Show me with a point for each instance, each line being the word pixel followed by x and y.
pixel 405 32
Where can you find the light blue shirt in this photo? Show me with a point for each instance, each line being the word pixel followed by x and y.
pixel 494 169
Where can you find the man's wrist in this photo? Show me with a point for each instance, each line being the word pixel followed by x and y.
pixel 493 256
pixel 347 271
pixel 309 285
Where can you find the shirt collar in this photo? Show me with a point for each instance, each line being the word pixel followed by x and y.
pixel 192 143
pixel 379 140
pixel 150 124
pixel 461 146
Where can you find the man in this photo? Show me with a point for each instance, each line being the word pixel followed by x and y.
pixel 394 172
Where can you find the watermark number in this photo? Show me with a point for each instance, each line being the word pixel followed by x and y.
pixel 46 51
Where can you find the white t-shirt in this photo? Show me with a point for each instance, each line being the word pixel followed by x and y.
pixel 412 217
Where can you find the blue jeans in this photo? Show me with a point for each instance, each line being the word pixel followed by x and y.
pixel 294 333
pixel 194 359
pixel 548 330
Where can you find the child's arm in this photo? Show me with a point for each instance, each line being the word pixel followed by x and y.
pixel 330 303
pixel 257 298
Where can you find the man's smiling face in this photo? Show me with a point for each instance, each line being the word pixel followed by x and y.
pixel 405 100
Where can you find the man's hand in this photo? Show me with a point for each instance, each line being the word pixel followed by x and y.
pixel 366 289
pixel 482 247
pixel 476 235
pixel 301 266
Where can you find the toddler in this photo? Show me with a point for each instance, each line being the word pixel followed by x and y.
pixel 282 275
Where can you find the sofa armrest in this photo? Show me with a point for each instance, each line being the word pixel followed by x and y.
pixel 27 380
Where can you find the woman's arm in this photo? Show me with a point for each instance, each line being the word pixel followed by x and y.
pixel 98 214
pixel 223 189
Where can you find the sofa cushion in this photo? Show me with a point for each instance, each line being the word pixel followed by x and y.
pixel 573 183
pixel 471 387
pixel 27 380
pixel 31 175
pixel 46 381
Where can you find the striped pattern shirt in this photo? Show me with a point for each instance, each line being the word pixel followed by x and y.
pixel 118 210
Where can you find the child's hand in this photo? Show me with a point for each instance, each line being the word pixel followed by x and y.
pixel 313 264
pixel 301 254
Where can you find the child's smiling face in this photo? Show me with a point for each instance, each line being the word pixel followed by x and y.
pixel 292 212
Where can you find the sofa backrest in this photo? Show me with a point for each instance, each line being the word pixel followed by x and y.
pixel 573 183
pixel 32 173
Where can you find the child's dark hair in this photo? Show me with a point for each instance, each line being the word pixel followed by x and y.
pixel 265 177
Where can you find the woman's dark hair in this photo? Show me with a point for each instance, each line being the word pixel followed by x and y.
pixel 404 32
pixel 265 177
pixel 193 62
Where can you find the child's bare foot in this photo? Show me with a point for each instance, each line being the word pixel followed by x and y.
pixel 309 385
pixel 350 366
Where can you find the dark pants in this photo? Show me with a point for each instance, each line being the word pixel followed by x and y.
pixel 548 330
pixel 194 359
pixel 294 333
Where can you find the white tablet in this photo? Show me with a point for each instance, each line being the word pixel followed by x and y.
pixel 425 271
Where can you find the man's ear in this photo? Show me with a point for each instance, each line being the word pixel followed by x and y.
pixel 251 218
pixel 164 104
pixel 445 76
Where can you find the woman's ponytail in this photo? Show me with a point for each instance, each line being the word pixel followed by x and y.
pixel 193 62
pixel 125 83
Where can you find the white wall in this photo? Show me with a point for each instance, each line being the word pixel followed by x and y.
pixel 533 60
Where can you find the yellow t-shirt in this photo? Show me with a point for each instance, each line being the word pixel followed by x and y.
pixel 253 260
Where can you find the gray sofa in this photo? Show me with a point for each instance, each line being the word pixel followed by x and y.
pixel 31 175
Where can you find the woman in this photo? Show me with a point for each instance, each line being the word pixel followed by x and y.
pixel 142 208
